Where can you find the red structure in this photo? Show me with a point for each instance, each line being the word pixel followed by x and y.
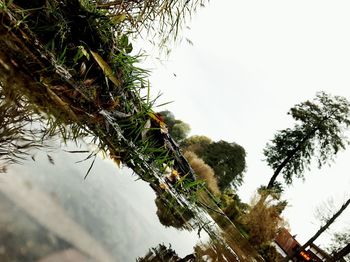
pixel 287 242
pixel 287 245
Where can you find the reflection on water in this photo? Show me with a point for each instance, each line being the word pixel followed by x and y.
pixel 171 214
pixel 107 217
pixel 213 250
pixel 22 238
pixel 50 213
pixel 162 253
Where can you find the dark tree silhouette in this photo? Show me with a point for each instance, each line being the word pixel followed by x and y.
pixel 228 162
pixel 170 213
pixel 322 228
pixel 340 246
pixel 340 254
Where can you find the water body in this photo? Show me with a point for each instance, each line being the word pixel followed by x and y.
pixel 48 212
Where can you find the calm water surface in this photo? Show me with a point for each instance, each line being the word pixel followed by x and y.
pixel 48 211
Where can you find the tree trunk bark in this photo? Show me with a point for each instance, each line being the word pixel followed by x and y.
pixel 281 166
pixel 321 230
pixel 292 153
pixel 340 254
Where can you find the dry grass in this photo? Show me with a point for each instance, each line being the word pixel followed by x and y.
pixel 263 220
pixel 203 172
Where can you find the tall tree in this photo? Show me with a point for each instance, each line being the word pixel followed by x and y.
pixel 319 131
pixel 322 228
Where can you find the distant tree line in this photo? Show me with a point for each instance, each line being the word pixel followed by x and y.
pixel 317 135
pixel 226 159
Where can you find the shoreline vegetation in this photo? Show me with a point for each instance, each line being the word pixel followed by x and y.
pixel 67 69
pixel 67 66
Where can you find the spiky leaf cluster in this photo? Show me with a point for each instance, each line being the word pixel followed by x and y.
pixel 19 129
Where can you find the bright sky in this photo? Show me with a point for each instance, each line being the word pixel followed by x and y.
pixel 251 61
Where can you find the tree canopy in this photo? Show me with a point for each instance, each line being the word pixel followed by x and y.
pixel 318 131
pixel 226 159
pixel 228 162
pixel 196 144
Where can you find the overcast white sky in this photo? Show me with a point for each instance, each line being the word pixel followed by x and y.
pixel 251 61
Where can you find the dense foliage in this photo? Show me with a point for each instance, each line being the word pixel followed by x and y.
pixel 170 213
pixel 228 162
pixel 71 61
pixel 196 144
pixel 226 159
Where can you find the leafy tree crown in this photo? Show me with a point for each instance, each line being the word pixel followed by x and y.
pixel 319 132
